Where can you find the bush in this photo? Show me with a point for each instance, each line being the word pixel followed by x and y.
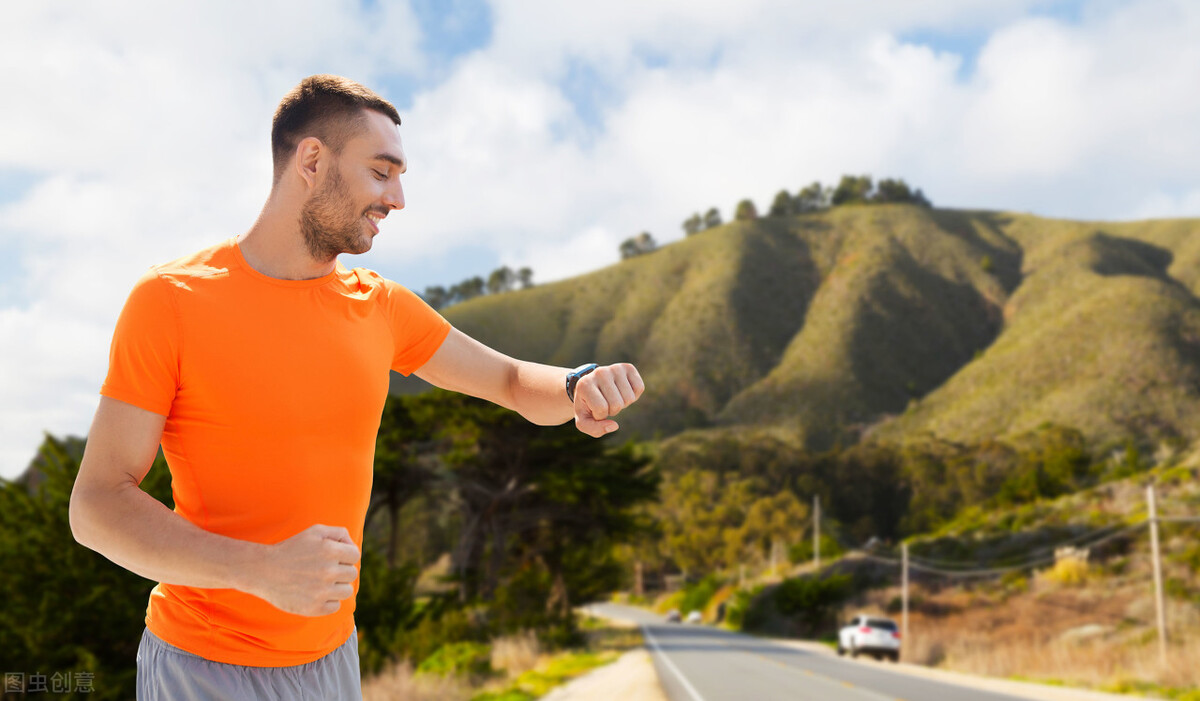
pixel 803 551
pixel 740 612
pixel 1069 571
pixel 459 659
pixel 813 603
pixel 696 596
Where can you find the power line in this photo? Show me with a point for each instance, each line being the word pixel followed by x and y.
pixel 1043 548
pixel 992 571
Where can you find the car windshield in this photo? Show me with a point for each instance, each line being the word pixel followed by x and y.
pixel 881 624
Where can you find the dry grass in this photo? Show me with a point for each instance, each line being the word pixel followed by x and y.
pixel 516 654
pixel 400 683
pixel 1100 636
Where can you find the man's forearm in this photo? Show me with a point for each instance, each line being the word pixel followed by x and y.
pixel 539 394
pixel 139 533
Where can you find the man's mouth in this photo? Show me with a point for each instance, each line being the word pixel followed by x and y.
pixel 375 219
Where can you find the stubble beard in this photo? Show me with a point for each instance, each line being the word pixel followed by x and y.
pixel 329 224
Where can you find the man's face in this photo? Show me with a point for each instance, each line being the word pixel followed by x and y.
pixel 360 186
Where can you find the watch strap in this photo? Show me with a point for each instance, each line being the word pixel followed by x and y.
pixel 575 375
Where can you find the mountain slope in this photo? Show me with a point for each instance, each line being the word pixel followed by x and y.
pixel 890 319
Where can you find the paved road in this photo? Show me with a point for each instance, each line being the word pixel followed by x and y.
pixel 699 663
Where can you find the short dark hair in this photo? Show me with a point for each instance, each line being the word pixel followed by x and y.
pixel 328 107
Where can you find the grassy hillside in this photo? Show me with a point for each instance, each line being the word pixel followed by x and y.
pixel 889 319
pixel 1102 334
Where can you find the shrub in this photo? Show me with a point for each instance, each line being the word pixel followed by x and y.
pixel 1069 571
pixel 803 551
pixel 696 596
pixel 812 603
pixel 460 659
pixel 740 612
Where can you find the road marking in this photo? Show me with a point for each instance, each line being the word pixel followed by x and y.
pixel 834 681
pixel 671 665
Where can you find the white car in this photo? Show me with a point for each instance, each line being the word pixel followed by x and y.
pixel 870 635
pixel 695 617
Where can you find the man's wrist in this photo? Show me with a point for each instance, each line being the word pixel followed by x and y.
pixel 575 376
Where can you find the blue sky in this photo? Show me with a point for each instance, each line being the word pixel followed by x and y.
pixel 543 133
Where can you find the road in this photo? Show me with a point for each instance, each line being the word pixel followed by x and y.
pixel 700 663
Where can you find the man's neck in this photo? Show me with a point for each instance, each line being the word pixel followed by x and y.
pixel 275 247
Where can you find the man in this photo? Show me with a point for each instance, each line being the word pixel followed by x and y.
pixel 261 366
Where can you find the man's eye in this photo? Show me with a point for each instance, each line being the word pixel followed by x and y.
pixel 381 176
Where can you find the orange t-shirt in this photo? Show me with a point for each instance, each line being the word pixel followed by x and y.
pixel 273 390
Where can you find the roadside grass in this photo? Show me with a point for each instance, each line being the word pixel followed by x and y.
pixel 519 669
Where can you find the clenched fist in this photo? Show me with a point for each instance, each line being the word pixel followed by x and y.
pixel 311 573
pixel 602 394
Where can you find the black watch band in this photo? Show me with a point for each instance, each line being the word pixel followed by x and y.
pixel 574 376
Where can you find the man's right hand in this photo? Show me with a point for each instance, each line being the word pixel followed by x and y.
pixel 311 573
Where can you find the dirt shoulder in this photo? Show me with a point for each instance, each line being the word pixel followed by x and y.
pixel 631 678
pixel 1026 690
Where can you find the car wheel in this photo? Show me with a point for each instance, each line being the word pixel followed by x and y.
pixel 895 656
pixel 841 650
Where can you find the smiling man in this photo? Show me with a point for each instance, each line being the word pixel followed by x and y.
pixel 261 366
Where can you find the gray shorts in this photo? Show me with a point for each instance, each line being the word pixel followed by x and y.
pixel 167 673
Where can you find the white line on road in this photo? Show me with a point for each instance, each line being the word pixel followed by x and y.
pixel 671 665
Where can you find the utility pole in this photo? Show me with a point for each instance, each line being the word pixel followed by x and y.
pixel 1159 605
pixel 904 595
pixel 817 531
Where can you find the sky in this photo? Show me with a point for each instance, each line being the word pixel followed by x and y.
pixel 543 133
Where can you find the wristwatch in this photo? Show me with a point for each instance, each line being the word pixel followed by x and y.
pixel 575 375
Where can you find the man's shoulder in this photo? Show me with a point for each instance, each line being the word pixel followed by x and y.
pixel 364 281
pixel 367 279
pixel 216 260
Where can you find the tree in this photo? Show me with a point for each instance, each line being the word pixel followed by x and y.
pixel 638 245
pixel 549 499
pixel 67 608
pixel 502 279
pixel 890 190
pixel 402 468
pixel 693 224
pixel 782 206
pixel 436 296
pixel 467 289
pixel 746 211
pixel 771 522
pixel 712 218
pixel 525 278
pixel 852 189
pixel 812 198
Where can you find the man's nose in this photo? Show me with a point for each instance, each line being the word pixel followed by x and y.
pixel 394 197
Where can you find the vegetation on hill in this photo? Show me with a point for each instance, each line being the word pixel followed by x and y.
pixel 888 322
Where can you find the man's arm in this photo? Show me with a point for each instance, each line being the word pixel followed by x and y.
pixel 535 391
pixel 308 574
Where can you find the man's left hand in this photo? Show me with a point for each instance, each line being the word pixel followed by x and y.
pixel 602 394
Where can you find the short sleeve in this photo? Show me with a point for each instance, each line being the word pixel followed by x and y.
pixel 418 330
pixel 143 362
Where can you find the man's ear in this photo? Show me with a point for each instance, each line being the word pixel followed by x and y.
pixel 308 155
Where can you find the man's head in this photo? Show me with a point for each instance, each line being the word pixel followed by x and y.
pixel 328 107
pixel 340 141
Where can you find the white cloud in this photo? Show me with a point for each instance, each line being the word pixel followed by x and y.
pixel 146 126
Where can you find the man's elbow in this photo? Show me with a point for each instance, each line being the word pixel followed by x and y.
pixel 83 515
pixel 77 516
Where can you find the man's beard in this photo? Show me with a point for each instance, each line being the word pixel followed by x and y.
pixel 328 222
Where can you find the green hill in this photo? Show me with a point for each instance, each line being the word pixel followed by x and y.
pixel 889 321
